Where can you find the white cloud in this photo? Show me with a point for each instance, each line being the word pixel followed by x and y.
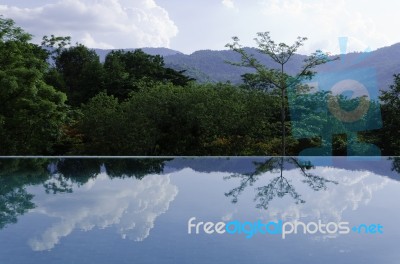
pixel 323 22
pixel 89 41
pixel 99 23
pixel 130 206
pixel 228 3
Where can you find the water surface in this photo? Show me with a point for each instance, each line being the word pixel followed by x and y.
pixel 137 210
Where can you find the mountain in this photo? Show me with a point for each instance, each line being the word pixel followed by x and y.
pixel 214 64
pixel 211 66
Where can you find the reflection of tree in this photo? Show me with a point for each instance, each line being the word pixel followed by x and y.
pixel 13 203
pixel 59 176
pixel 15 174
pixel 395 164
pixel 72 171
pixel 79 171
pixel 33 169
pixel 137 168
pixel 279 186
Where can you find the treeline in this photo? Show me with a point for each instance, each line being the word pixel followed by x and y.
pixel 57 99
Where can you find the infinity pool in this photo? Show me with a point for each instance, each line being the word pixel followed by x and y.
pixel 344 210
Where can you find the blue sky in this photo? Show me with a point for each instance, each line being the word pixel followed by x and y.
pixel 209 24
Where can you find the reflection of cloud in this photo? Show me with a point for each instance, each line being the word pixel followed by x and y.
pixel 354 189
pixel 132 206
pixel 228 3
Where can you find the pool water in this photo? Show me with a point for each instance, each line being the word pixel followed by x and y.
pixel 150 210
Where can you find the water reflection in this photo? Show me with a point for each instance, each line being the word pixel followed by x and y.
pixel 279 186
pixel 353 193
pixel 14 201
pixel 63 176
pixel 15 176
pixel 130 206
pixel 395 164
pixel 128 196
pixel 59 176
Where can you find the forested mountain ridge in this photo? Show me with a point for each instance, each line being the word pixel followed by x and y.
pixel 211 66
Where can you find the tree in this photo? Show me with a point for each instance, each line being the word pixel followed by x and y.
pixel 128 71
pixel 164 119
pixel 102 112
pixel 31 111
pixel 280 53
pixel 253 81
pixel 78 72
pixel 389 135
pixel 55 45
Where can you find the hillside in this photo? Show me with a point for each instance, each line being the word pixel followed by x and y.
pixel 211 66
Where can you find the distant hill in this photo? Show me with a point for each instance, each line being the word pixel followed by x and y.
pixel 211 66
pixel 214 64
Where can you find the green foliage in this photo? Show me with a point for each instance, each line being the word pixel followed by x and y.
pixel 101 112
pixel 31 111
pixel 78 72
pixel 165 119
pixel 11 33
pixel 128 71
pixel 192 72
pixel 389 136
pixel 317 119
pixel 255 81
pixel 55 45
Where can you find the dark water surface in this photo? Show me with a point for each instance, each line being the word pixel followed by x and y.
pixel 137 210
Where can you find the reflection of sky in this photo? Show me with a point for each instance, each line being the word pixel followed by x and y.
pixel 354 189
pixel 130 205
pixel 360 197
pixel 151 210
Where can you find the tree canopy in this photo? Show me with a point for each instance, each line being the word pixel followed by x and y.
pixel 128 71
pixel 31 111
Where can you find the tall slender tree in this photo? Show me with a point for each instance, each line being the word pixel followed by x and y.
pixel 278 78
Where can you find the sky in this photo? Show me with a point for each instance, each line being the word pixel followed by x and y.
pixel 193 25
